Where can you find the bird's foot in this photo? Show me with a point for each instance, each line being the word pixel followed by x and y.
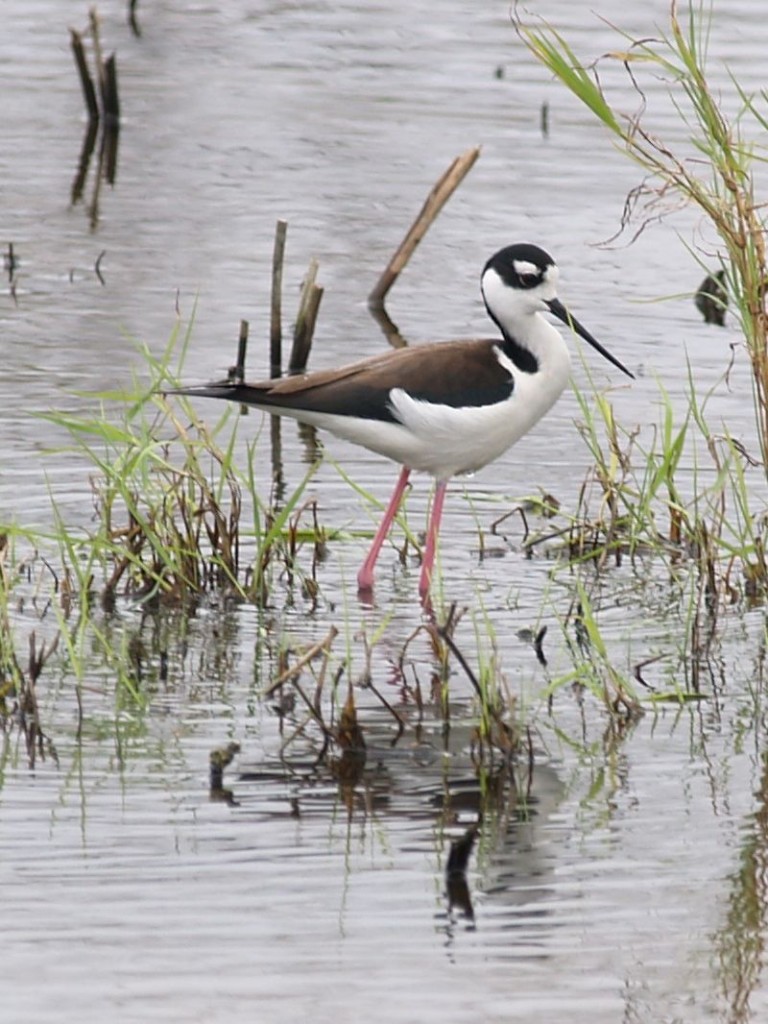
pixel 365 587
pixel 365 581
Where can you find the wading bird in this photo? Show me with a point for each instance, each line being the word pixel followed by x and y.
pixel 445 408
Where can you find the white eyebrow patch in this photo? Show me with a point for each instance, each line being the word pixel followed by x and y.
pixel 523 268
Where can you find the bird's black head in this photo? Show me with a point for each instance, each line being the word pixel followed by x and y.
pixel 521 265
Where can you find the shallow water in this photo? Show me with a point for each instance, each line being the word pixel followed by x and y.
pixel 620 889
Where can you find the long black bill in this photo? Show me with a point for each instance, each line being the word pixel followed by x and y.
pixel 558 309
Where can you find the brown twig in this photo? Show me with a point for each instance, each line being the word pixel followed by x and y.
pixel 290 674
pixel 433 204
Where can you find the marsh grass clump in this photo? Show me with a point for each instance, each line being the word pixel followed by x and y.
pixel 712 169
pixel 19 670
pixel 678 499
pixel 163 529
pixel 174 524
pixel 174 517
pixel 669 505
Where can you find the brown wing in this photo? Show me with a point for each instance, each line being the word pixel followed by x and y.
pixel 456 373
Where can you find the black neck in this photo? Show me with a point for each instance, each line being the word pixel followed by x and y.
pixel 522 357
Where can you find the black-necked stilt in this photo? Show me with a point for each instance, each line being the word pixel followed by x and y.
pixel 444 408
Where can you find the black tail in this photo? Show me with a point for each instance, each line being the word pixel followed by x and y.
pixel 229 390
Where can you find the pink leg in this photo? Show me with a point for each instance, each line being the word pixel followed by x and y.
pixel 365 576
pixel 428 561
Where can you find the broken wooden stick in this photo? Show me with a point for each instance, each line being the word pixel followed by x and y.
pixel 89 92
pixel 105 102
pixel 292 673
pixel 306 318
pixel 434 203
pixel 236 373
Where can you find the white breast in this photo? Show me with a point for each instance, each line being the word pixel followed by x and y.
pixel 443 440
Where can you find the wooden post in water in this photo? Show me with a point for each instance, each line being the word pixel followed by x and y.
pixel 276 304
pixel 103 107
pixel 93 17
pixel 237 372
pixel 103 103
pixel 306 318
pixel 110 99
pixel 89 92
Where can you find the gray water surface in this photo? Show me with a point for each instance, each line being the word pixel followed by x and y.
pixel 616 892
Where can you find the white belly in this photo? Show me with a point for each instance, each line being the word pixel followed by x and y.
pixel 445 441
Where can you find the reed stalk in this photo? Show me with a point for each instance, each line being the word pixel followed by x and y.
pixel 713 169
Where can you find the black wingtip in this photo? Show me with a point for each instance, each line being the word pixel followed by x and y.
pixel 216 389
pixel 223 390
